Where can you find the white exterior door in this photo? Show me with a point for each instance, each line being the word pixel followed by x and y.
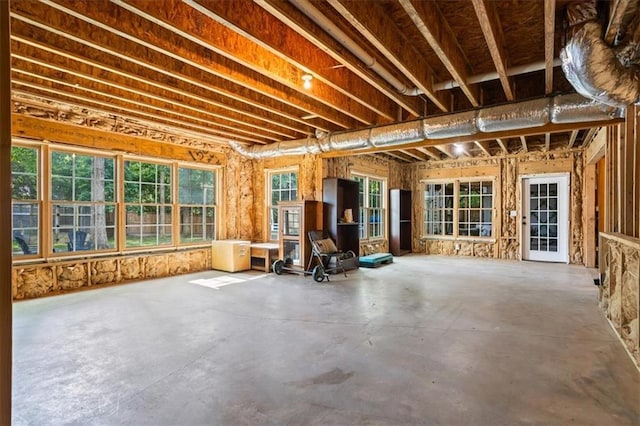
pixel 546 218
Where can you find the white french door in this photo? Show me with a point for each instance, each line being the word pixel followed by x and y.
pixel 545 218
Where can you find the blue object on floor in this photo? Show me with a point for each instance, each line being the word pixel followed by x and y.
pixel 375 260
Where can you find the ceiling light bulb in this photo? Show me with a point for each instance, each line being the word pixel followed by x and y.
pixel 307 81
pixel 459 149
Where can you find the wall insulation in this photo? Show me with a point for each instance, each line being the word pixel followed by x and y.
pixel 43 279
pixel 507 172
pixel 619 292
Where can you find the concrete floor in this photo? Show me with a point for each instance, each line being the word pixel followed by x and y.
pixel 427 340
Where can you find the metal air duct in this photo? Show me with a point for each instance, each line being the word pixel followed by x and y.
pixel 595 69
pixel 520 115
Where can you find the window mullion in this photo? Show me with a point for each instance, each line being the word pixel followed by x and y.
pixel 456 206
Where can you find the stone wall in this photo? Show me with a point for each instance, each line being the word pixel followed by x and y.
pixel 619 292
pixel 44 279
pixel 507 172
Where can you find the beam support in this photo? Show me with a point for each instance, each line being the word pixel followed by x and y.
pixel 523 139
pixel 6 289
pixel 503 145
pixel 490 24
pixel 549 43
pixel 484 146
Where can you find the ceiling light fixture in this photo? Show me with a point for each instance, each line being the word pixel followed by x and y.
pixel 307 81
pixel 459 148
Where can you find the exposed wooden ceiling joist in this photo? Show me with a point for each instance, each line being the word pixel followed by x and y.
pixel 484 146
pixel 492 30
pixel 381 31
pixel 431 24
pixel 572 138
pixel 503 146
pixel 523 140
pixel 304 26
pixel 446 150
pixel 549 43
pixel 429 152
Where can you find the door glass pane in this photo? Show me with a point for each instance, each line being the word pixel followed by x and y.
pixel 553 244
pixel 553 189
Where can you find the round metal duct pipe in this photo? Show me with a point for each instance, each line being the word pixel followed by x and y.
pixel 571 108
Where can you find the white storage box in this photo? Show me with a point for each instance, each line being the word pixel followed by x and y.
pixel 231 255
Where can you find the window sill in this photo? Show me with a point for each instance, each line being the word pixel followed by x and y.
pixel 487 240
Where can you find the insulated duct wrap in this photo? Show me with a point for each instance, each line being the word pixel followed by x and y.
pixel 521 115
pixel 592 66
pixel 535 113
pixel 349 140
pixel 394 134
pixel 451 126
pixel 575 108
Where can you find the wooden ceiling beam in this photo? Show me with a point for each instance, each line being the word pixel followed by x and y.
pixel 414 155
pixel 434 28
pixel 547 128
pixel 267 31
pixel 492 30
pixel 378 27
pixel 399 156
pixel 163 78
pixel 114 89
pixel 429 152
pixel 572 138
pixel 621 12
pixel 503 145
pixel 22 89
pixel 29 56
pixel 307 28
pixel 139 39
pixel 40 86
pixel 446 150
pixel 186 22
pixel 484 146
pixel 549 43
pixel 523 140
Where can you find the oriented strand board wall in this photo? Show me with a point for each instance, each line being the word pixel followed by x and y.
pixel 507 172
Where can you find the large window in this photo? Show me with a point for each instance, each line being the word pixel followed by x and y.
pixel 25 196
pixel 372 206
pixel 147 197
pixel 458 209
pixel 438 209
pixel 283 186
pixel 82 202
pixel 197 195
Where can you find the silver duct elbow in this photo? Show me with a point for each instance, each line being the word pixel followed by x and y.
pixel 594 68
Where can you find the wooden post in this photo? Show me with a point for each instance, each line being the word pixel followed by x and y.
pixel 6 309
pixel 589 215
pixel 626 167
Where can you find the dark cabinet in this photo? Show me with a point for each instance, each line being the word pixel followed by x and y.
pixel 295 220
pixel 399 221
pixel 341 212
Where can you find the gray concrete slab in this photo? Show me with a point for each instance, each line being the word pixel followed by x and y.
pixel 426 340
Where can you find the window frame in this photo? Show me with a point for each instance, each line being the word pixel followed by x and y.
pixel 216 192
pixel 365 210
pixel 37 202
pixel 158 206
pixel 269 208
pixel 72 237
pixel 456 235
